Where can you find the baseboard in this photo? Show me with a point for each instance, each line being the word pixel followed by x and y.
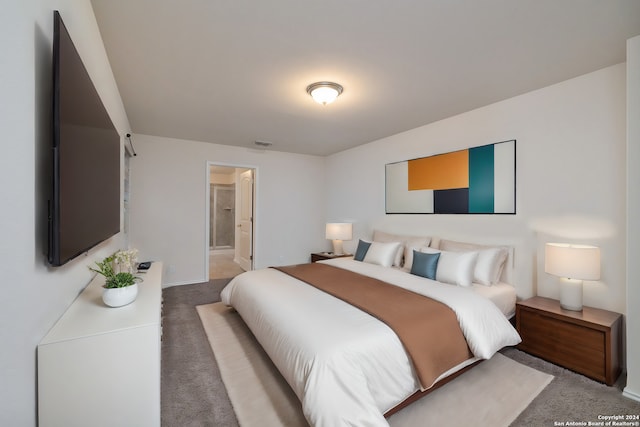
pixel 631 394
pixel 184 282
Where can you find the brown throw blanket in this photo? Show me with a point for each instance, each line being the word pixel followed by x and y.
pixel 428 329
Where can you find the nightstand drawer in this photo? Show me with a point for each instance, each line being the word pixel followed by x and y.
pixel 587 341
pixel 320 256
pixel 573 346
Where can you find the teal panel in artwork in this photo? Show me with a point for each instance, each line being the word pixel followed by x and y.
pixel 481 179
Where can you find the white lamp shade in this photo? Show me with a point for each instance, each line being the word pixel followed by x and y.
pixel 581 262
pixel 339 231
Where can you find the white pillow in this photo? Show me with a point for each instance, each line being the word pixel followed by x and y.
pixel 490 262
pixel 407 245
pixel 455 268
pixel 489 266
pixel 382 253
pixel 382 237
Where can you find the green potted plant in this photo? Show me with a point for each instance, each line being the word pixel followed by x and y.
pixel 120 285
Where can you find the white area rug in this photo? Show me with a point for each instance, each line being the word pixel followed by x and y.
pixel 493 393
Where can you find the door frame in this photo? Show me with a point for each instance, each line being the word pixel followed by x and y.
pixel 208 210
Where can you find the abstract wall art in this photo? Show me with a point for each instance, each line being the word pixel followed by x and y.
pixel 478 180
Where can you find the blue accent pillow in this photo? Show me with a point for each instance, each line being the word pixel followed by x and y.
pixel 363 247
pixel 425 264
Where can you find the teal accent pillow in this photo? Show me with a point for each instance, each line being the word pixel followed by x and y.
pixel 363 247
pixel 425 264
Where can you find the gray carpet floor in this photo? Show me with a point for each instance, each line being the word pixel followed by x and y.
pixel 193 394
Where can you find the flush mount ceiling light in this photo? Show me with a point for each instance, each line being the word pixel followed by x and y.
pixel 324 92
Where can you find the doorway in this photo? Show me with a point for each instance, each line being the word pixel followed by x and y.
pixel 230 219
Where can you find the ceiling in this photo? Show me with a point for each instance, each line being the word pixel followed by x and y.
pixel 235 71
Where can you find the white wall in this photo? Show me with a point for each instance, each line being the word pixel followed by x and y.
pixel 34 296
pixel 168 204
pixel 633 213
pixel 570 178
pixel 571 184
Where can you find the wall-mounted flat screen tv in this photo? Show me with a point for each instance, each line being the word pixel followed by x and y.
pixel 84 209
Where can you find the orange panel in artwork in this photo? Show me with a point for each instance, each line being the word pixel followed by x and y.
pixel 441 172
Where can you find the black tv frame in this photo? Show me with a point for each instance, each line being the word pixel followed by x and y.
pixel 85 204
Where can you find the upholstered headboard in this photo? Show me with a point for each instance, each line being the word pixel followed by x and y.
pixel 509 273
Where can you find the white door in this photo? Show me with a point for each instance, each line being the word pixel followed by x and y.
pixel 245 258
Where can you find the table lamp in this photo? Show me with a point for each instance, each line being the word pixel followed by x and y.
pixel 338 231
pixel 573 264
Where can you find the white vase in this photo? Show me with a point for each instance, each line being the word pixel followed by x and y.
pixel 117 297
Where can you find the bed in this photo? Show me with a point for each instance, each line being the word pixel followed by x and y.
pixel 346 366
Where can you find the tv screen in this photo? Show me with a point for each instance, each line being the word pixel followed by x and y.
pixel 85 206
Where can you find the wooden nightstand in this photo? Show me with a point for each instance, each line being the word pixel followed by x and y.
pixel 587 341
pixel 319 256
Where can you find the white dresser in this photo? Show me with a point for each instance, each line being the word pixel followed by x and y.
pixel 100 366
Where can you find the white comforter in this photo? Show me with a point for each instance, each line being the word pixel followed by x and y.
pixel 346 367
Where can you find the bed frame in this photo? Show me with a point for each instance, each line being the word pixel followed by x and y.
pixel 420 394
